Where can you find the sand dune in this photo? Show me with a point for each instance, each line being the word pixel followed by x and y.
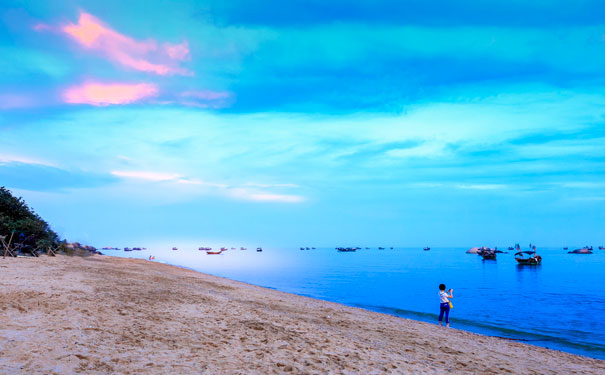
pixel 100 315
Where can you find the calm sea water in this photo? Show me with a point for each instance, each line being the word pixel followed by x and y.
pixel 559 304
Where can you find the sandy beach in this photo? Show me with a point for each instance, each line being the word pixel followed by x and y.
pixel 101 314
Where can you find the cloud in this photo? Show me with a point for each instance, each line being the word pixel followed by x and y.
pixel 481 186
pixel 11 158
pixel 146 56
pixel 102 94
pixel 15 101
pixel 206 98
pixel 148 176
pixel 255 196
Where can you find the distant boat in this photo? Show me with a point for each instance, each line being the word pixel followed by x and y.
pixel 224 249
pixel 584 250
pixel 511 248
pixel 233 248
pixel 425 249
pixel 242 248
pixel 601 247
pixel 532 258
pixel 307 248
pixel 259 249
pixel 312 248
pixel 127 249
pixel 565 248
pixel 367 248
pixel 302 248
pixel 346 249
pixel 137 248
pixel 391 247
pixel 381 248
pixel 210 252
pixel 174 248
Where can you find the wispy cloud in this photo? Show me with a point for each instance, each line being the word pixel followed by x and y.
pixel 251 195
pixel 12 158
pixel 102 94
pixel 254 192
pixel 146 56
pixel 481 186
pixel 147 176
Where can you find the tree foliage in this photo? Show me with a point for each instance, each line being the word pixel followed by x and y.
pixel 27 227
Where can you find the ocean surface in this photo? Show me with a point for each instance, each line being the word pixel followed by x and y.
pixel 559 304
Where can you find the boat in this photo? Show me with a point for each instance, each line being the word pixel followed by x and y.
pixel 307 248
pixel 381 248
pixel 532 258
pixel 346 249
pixel 210 252
pixel 127 249
pixel 584 250
pixel 259 249
pixel 233 248
pixel 137 248
pixel 565 248
pixel 391 247
pixel 367 248
pixel 511 248
pixel 601 247
pixel 243 248
pixel 224 249
pixel 174 248
pixel 427 248
pixel 302 248
pixel 312 248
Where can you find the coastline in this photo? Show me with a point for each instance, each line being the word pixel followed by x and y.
pixel 103 314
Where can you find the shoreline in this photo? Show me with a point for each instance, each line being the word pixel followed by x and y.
pixel 103 313
pixel 462 324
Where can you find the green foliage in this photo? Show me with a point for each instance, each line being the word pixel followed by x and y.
pixel 29 228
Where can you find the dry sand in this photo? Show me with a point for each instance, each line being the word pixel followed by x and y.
pixel 100 315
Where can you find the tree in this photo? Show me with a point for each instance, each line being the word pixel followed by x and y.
pixel 29 228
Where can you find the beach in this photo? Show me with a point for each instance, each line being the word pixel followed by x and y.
pixel 102 314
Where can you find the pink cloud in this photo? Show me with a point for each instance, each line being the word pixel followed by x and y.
pixel 101 94
pixel 144 56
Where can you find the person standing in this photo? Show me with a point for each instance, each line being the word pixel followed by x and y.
pixel 444 304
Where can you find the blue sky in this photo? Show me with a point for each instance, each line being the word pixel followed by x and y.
pixel 322 123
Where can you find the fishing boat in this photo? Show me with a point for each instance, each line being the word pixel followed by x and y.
pixel 528 258
pixel 259 249
pixel 565 248
pixel 584 250
pixel 427 248
pixel 601 247
pixel 137 248
pixel 511 248
pixel 302 248
pixel 346 249
pixel 127 249
pixel 224 249
pixel 174 248
pixel 210 252
pixel 381 248
pixel 312 248
pixel 243 248
pixel 391 248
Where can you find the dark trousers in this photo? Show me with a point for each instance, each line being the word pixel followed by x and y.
pixel 444 308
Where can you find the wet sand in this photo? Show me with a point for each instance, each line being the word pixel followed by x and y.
pixel 101 314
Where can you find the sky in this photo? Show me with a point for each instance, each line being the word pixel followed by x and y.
pixel 307 123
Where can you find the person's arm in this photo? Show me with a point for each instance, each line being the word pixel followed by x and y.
pixel 451 293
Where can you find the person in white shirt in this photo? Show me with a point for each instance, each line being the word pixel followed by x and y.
pixel 444 304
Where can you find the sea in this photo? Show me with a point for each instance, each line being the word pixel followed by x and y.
pixel 559 304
